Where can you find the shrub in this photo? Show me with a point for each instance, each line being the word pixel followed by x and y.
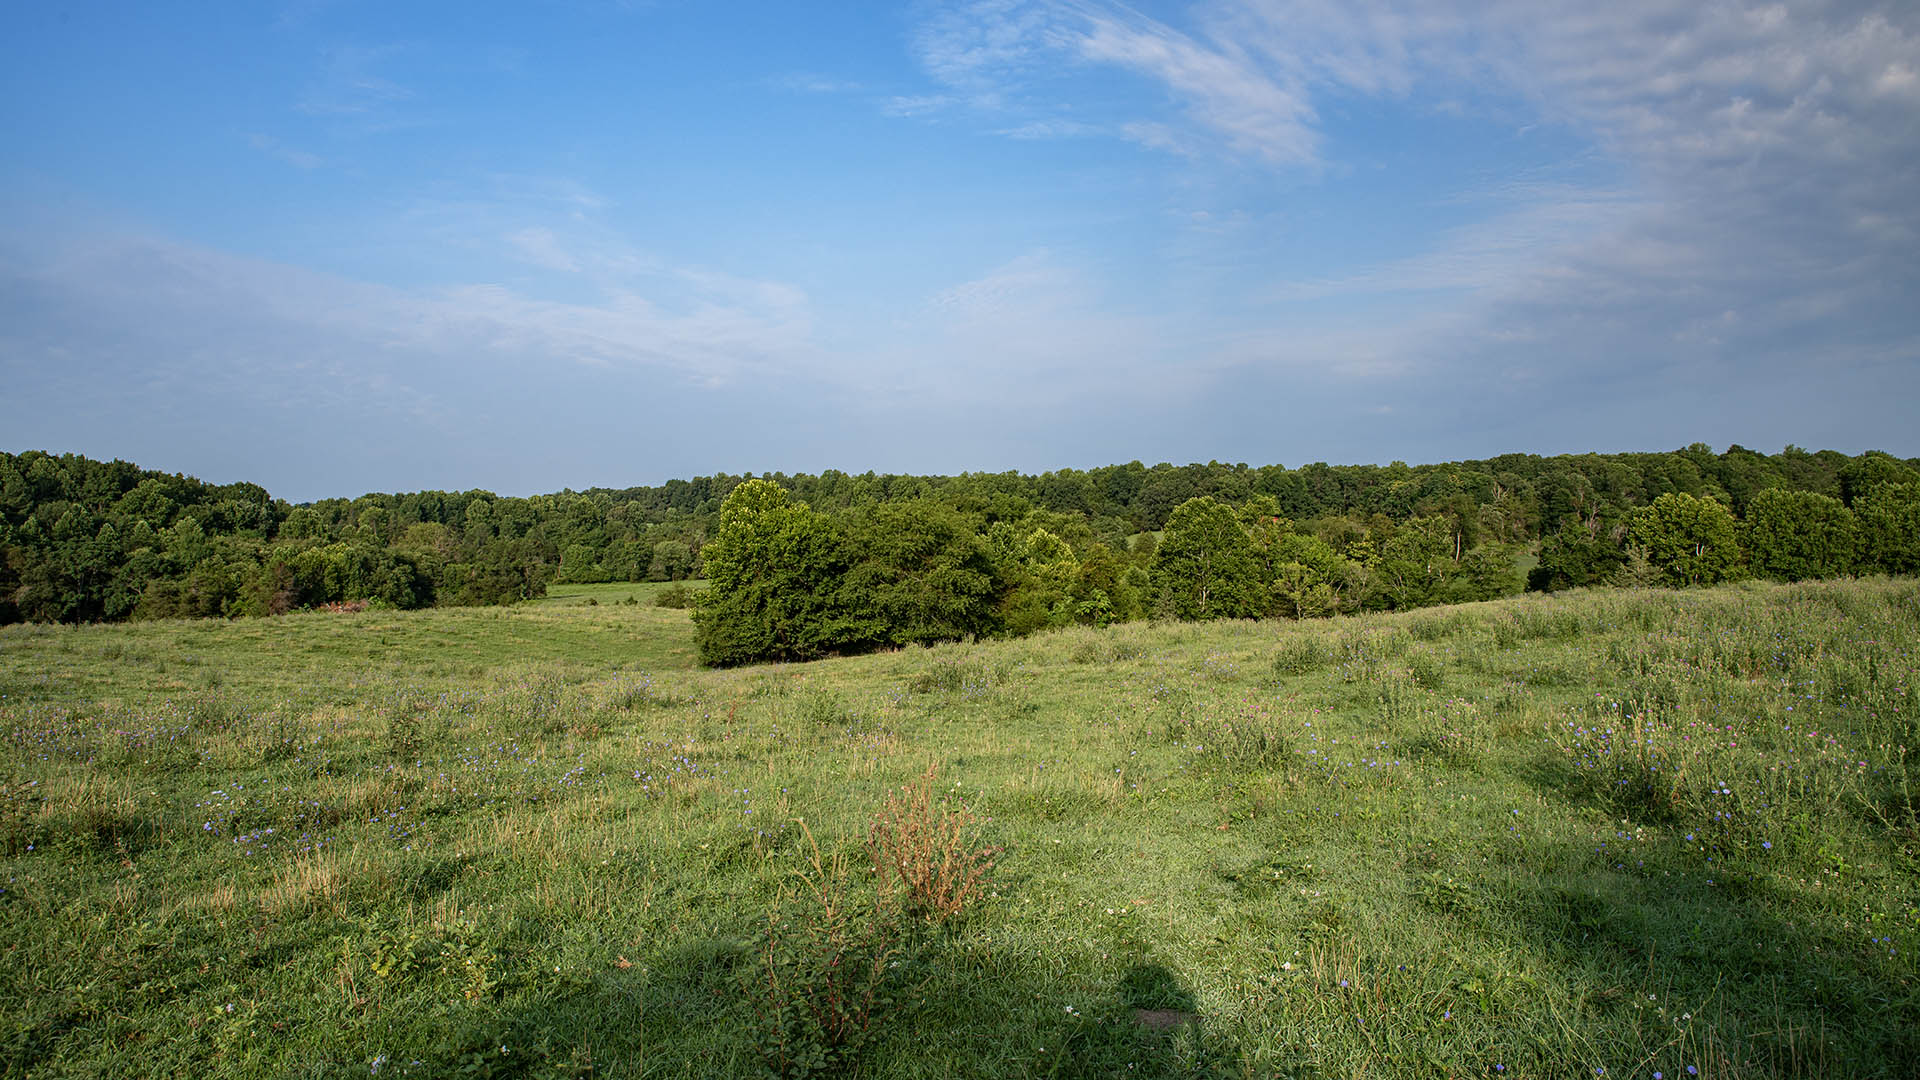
pixel 674 596
pixel 923 851
pixel 820 982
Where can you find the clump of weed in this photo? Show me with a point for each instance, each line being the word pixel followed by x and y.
pixel 1246 742
pixel 1435 627
pixel 1300 656
pixel 1179 706
pixel 1476 650
pixel 406 732
pixel 1508 699
pixel 542 704
pixel 640 692
pixel 1103 645
pixel 1536 621
pixel 283 738
pixel 923 851
pixel 962 675
pixel 468 954
pixel 820 985
pixel 1399 704
pixel 1387 641
pixel 676 595
pixel 216 714
pixel 103 817
pixel 1362 654
pixel 774 684
pixel 822 708
pixel 1428 670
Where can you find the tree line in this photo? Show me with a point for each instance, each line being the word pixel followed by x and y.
pixel 789 582
pixel 924 557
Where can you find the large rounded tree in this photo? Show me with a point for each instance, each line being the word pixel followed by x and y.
pixel 1799 535
pixel 1691 541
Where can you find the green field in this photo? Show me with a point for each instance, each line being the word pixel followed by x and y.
pixel 1650 833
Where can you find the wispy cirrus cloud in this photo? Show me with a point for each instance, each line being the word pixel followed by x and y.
pixel 1767 151
pixel 993 54
pixel 1257 111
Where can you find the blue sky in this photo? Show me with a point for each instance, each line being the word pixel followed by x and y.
pixel 334 247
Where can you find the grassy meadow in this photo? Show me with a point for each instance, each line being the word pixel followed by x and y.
pixel 1630 834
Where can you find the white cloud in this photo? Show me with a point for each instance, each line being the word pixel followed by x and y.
pixel 1765 219
pixel 974 44
pixel 236 319
pixel 1027 282
pixel 988 52
pixel 1258 111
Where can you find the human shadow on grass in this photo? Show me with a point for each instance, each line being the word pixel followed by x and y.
pixel 1782 986
pixel 692 1012
pixel 1150 1025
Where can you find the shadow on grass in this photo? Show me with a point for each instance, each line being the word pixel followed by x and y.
pixel 1151 1025
pixel 1774 982
pixel 687 1015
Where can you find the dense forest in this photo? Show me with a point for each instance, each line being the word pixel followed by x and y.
pixel 809 564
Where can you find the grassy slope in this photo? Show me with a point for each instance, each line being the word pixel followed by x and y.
pixel 1539 837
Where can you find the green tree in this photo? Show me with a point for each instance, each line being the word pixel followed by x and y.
pixel 1309 578
pixel 1205 568
pixel 1577 556
pixel 920 573
pixel 1487 572
pixel 1693 541
pixel 671 560
pixel 1415 563
pixel 1890 528
pixel 774 568
pixel 1042 573
pixel 1798 535
pixel 580 564
pixel 1861 475
pixel 497 572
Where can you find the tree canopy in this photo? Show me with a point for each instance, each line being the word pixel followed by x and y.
pixel 887 560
